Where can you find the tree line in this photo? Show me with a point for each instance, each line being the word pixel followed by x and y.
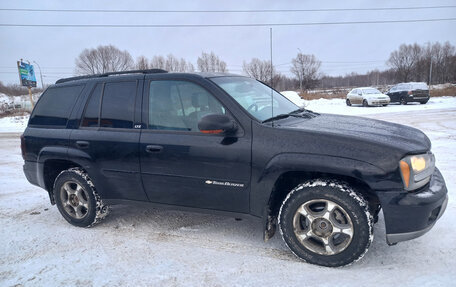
pixel 433 63
pixel 424 63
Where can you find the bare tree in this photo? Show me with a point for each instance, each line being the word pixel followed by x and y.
pixel 103 59
pixel 260 70
pixel 307 69
pixel 171 64
pixel 158 62
pixel 211 63
pixel 142 63
pixel 404 61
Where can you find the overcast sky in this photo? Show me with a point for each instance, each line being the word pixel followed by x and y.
pixel 341 48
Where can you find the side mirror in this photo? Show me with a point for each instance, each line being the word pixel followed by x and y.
pixel 217 124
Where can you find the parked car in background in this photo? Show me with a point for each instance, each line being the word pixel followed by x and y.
pixel 367 97
pixel 409 92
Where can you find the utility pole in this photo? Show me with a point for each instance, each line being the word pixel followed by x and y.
pixel 41 75
pixel 272 95
pixel 430 74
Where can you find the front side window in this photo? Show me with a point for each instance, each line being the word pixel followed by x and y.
pixel 179 105
pixel 255 97
pixel 55 106
pixel 117 106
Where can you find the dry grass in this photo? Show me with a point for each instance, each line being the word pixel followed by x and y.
pixel 446 92
pixel 336 94
pixel 14 113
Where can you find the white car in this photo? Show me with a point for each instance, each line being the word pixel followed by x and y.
pixel 367 97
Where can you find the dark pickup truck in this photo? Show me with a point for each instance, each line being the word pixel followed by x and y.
pixel 229 144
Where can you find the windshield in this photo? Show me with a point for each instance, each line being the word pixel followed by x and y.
pixel 371 91
pixel 255 97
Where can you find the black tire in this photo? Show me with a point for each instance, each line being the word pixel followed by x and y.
pixel 91 209
pixel 365 103
pixel 403 101
pixel 340 194
pixel 385 105
pixel 424 102
pixel 348 102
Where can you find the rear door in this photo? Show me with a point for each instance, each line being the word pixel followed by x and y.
pixel 182 166
pixel 357 99
pixel 107 140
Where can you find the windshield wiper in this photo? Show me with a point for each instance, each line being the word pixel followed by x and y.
pixel 278 117
pixel 295 113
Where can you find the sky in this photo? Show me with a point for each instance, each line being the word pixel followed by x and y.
pixel 341 48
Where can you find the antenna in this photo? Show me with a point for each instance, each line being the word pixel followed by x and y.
pixel 272 95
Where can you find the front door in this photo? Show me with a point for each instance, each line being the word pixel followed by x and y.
pixel 182 166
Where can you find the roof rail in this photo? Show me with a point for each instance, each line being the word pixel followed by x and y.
pixel 149 71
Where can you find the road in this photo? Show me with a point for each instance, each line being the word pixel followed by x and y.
pixel 140 246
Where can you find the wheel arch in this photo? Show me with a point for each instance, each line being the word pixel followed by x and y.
pixel 51 169
pixel 361 176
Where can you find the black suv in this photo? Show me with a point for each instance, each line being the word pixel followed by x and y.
pixel 404 93
pixel 230 144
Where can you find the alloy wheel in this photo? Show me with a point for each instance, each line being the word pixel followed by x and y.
pixel 323 227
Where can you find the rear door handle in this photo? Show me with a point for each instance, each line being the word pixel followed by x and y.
pixel 82 144
pixel 154 148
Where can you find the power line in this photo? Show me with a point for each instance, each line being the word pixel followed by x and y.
pixel 219 25
pixel 226 11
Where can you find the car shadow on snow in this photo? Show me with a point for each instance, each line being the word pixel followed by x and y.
pixel 228 234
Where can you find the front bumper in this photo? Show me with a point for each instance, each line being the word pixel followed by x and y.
pixel 378 102
pixel 409 215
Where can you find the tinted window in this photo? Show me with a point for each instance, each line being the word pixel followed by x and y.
pixel 55 106
pixel 118 105
pixel 92 109
pixel 179 105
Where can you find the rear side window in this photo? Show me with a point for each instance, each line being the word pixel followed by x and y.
pixel 92 109
pixel 55 105
pixel 117 107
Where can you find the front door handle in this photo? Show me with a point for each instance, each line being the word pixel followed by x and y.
pixel 82 144
pixel 154 148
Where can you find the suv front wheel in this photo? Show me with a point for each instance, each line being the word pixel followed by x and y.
pixel 326 223
pixel 77 199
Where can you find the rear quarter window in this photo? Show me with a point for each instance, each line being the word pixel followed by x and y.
pixel 55 106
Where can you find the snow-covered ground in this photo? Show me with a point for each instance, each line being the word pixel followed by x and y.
pixel 15 124
pixel 338 106
pixel 142 246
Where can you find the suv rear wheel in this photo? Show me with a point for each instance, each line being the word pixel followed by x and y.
pixel 326 223
pixel 348 102
pixel 77 199
pixel 403 101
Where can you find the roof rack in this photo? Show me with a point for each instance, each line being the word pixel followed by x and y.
pixel 149 71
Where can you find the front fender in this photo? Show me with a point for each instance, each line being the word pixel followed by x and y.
pixel 374 177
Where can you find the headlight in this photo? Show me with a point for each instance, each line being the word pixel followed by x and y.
pixel 416 170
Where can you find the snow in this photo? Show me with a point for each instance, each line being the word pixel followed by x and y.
pixel 294 97
pixel 139 246
pixel 16 124
pixel 338 106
